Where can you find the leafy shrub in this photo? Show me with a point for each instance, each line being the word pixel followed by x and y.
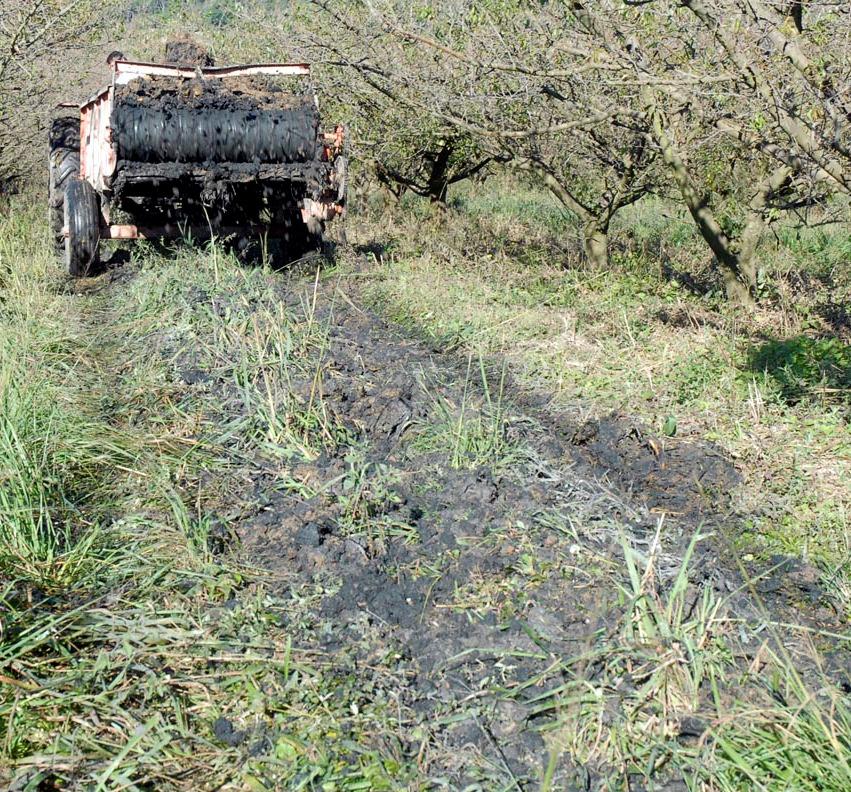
pixel 804 368
pixel 696 374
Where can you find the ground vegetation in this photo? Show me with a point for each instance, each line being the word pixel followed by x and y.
pixel 536 478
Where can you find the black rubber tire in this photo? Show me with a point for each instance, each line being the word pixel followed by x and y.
pixel 63 166
pixel 82 219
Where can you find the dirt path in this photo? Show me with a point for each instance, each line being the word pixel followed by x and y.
pixel 455 552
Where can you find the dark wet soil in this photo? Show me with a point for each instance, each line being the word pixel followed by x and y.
pixel 455 589
pixel 184 51
pixel 238 151
pixel 239 120
pixel 247 93
pixel 394 583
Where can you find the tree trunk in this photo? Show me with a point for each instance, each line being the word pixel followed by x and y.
pixel 755 225
pixel 738 292
pixel 438 180
pixel 748 241
pixel 595 228
pixel 739 276
pixel 595 238
pixel 738 283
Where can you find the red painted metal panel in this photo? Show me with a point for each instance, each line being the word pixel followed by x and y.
pixel 197 232
pixel 97 154
pixel 121 232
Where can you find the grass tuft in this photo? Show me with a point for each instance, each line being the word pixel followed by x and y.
pixel 131 653
pixel 476 429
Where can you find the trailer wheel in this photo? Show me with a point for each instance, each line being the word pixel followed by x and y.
pixel 82 220
pixel 63 166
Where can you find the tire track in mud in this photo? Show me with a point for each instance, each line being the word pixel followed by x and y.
pixel 459 591
pixel 513 567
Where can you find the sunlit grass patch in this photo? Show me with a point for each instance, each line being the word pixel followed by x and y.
pixel 133 656
pixel 54 453
pixel 663 696
pixel 802 743
pixel 475 431
pixel 624 702
pixel 165 410
pixel 229 324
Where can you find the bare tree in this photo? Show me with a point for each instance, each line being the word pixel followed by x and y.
pixel 37 39
pixel 740 109
pixel 479 76
pixel 372 81
pixel 701 83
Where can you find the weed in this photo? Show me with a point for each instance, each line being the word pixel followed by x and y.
pixel 475 431
pixel 805 368
pixel 696 377
pixel 654 698
pixel 125 642
pixel 368 497
pixel 802 743
pixel 625 700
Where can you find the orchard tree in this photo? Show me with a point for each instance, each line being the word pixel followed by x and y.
pixel 779 122
pixel 723 92
pixel 738 109
pixel 37 42
pixel 500 86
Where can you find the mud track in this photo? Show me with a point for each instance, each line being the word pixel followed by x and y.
pixel 455 590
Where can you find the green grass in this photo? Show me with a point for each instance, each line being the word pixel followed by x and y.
pixel 475 431
pixel 229 323
pixel 662 664
pixel 123 638
pixel 131 412
pixel 53 453
pixel 802 368
pixel 803 745
pixel 662 695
